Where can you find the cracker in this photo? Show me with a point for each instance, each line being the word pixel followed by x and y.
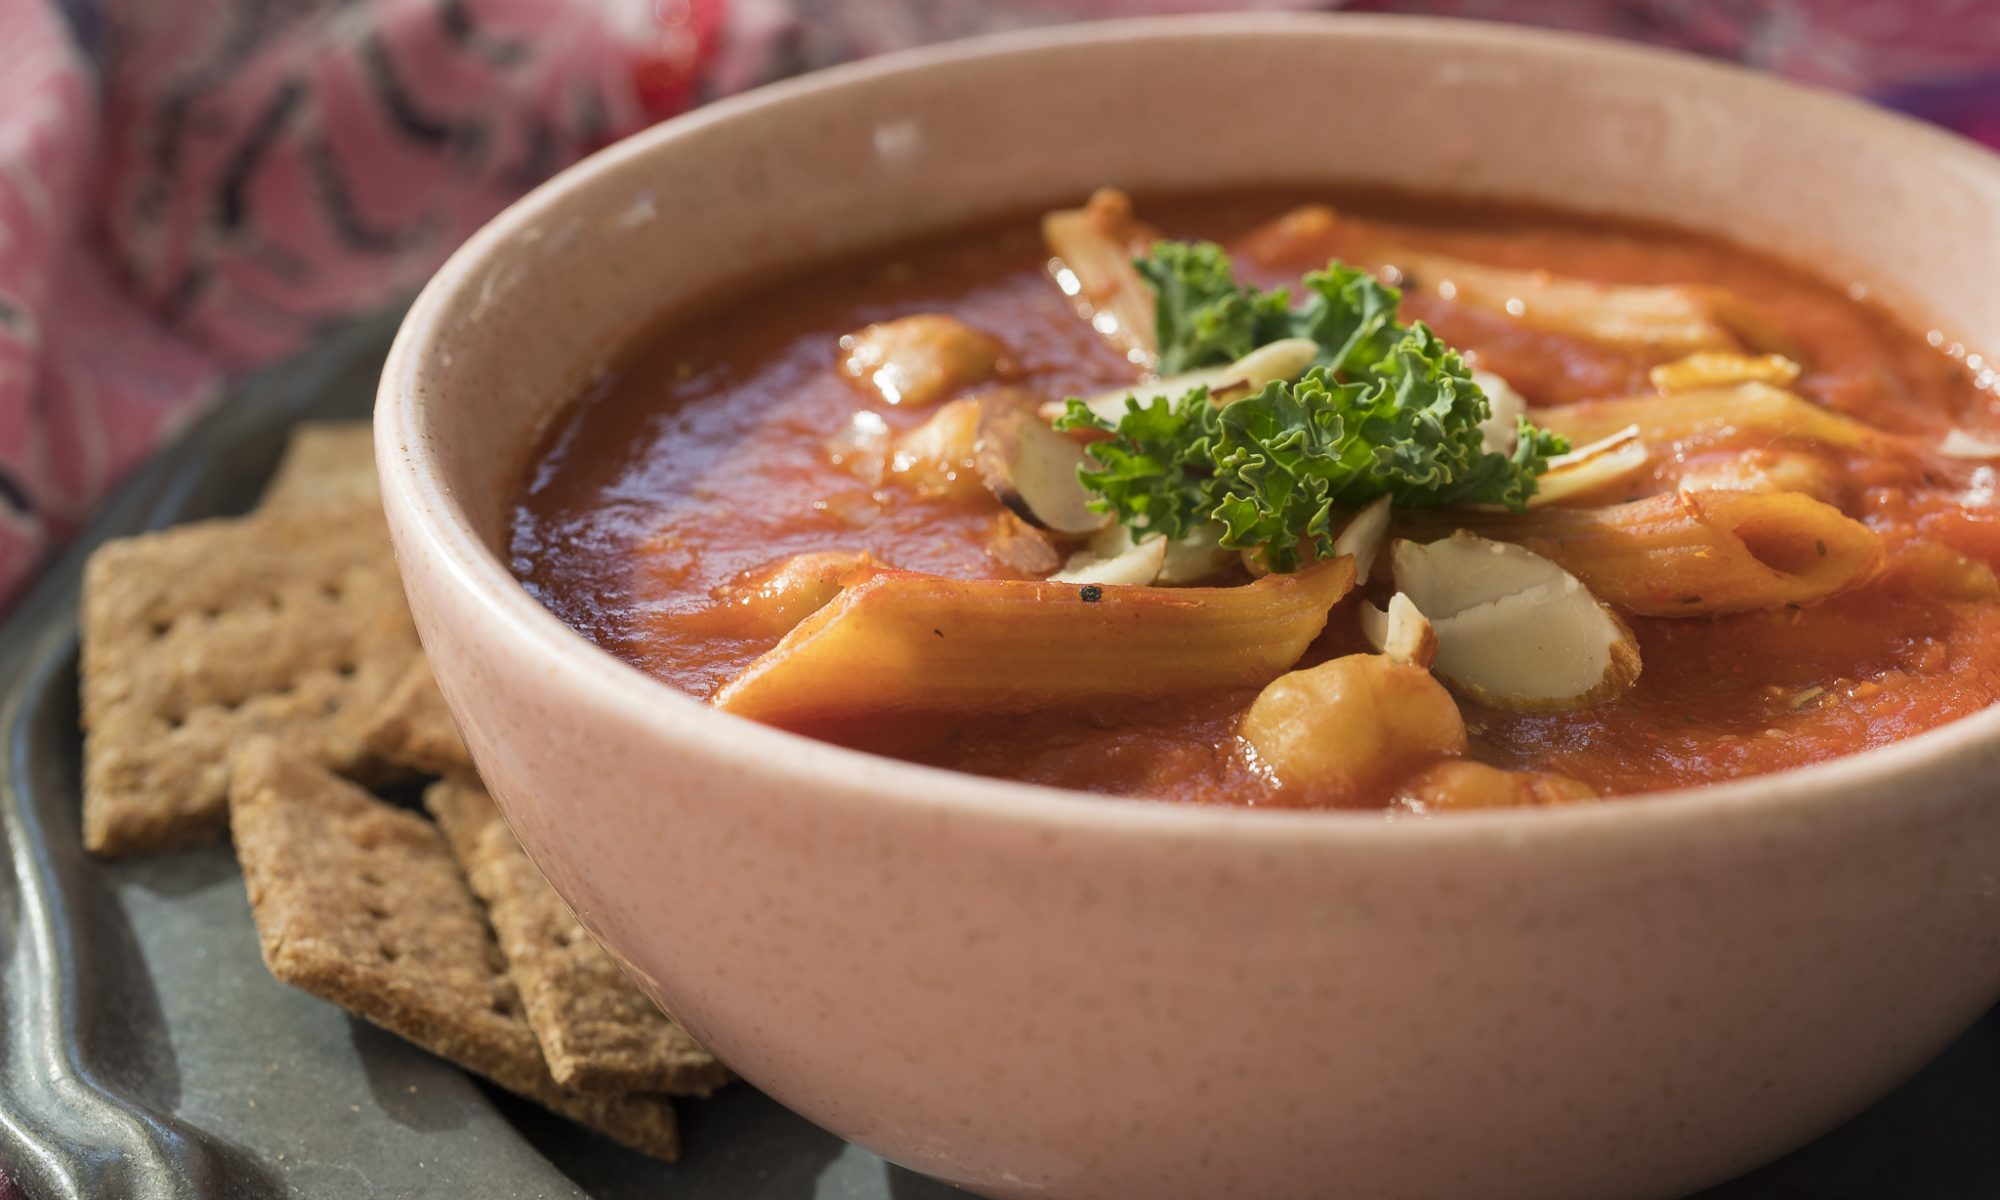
pixel 415 729
pixel 326 462
pixel 360 903
pixel 197 638
pixel 600 1033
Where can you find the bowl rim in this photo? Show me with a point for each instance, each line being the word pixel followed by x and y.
pixel 407 470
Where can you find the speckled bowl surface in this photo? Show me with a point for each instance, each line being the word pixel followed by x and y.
pixel 1037 993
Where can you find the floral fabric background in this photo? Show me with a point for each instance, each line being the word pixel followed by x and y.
pixel 190 190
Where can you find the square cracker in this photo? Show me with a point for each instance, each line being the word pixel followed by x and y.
pixel 415 729
pixel 361 903
pixel 326 462
pixel 598 1030
pixel 196 638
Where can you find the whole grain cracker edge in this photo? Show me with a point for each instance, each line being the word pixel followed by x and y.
pixel 195 639
pixel 600 1033
pixel 415 729
pixel 325 462
pixel 362 904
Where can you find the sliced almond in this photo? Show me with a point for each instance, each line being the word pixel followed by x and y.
pixel 1514 630
pixel 1138 564
pixel 1363 538
pixel 1196 555
pixel 1960 444
pixel 1686 554
pixel 1502 427
pixel 1587 470
pixel 1032 469
pixel 1191 558
pixel 1593 468
pixel 1402 633
pixel 1279 360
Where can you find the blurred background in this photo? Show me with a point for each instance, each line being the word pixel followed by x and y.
pixel 194 189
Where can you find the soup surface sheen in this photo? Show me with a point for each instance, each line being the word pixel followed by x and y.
pixel 703 456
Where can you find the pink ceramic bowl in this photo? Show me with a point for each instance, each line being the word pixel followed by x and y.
pixel 1036 993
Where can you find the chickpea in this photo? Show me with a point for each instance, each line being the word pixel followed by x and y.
pixel 937 458
pixel 1462 784
pixel 1346 729
pixel 919 360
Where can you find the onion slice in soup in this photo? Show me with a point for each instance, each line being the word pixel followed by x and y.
pixel 904 642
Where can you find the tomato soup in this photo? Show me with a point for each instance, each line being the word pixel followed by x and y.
pixel 742 436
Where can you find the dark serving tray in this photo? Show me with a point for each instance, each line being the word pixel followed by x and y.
pixel 147 1053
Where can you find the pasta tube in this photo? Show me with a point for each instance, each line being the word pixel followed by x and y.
pixel 1748 412
pixel 1688 553
pixel 905 642
pixel 1093 248
pixel 1664 320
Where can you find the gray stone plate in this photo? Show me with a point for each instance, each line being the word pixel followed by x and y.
pixel 147 1053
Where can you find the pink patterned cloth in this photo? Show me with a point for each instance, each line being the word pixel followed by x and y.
pixel 193 188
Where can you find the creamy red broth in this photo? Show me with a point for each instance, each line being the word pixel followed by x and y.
pixel 701 456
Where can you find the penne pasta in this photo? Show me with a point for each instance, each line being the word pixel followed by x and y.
pixel 1933 571
pixel 1093 248
pixel 1765 469
pixel 769 601
pixel 1665 320
pixel 1710 369
pixel 905 642
pixel 1688 553
pixel 1747 412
